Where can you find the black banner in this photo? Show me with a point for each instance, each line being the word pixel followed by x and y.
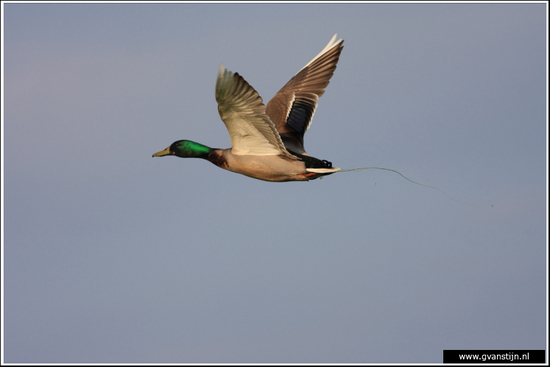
pixel 494 356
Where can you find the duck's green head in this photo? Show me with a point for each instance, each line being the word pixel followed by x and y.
pixel 185 149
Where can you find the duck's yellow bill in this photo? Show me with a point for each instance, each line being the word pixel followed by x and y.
pixel 162 153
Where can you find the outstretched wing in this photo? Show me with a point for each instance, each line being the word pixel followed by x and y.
pixel 241 108
pixel 292 108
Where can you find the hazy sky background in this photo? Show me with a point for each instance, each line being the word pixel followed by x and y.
pixel 114 256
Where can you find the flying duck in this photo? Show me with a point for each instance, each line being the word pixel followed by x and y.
pixel 267 141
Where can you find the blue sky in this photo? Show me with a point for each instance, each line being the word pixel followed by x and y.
pixel 113 256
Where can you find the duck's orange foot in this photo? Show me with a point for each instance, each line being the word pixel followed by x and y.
pixel 308 174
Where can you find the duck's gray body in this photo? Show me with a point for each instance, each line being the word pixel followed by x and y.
pixel 268 167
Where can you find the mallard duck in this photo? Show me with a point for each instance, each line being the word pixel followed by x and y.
pixel 268 140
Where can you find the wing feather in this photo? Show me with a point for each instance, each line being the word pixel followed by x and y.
pixel 241 108
pixel 293 107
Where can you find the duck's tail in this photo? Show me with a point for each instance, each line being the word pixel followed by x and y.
pixel 325 171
